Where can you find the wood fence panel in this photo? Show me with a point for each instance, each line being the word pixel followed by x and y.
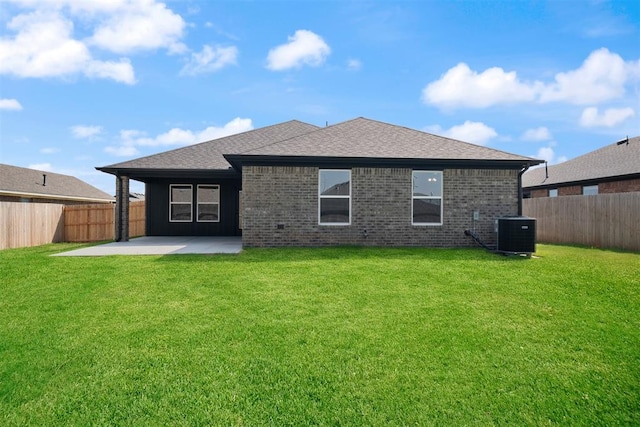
pixel 604 220
pixel 137 216
pixel 30 224
pixel 88 223
pixel 93 223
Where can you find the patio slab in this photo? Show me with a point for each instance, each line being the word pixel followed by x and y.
pixel 164 245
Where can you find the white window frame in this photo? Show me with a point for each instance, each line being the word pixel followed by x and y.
pixel 171 202
pixel 441 198
pixel 586 188
pixel 321 196
pixel 553 192
pixel 198 202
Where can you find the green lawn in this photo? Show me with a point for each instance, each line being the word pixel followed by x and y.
pixel 337 336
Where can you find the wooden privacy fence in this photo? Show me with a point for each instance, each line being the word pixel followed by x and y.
pixel 33 224
pixel 91 223
pixel 30 224
pixel 604 220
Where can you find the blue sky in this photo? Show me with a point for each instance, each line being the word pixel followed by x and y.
pixel 91 83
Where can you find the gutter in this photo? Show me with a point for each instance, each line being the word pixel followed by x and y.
pixel 520 190
pixel 54 196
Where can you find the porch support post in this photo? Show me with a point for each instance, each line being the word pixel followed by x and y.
pixel 122 209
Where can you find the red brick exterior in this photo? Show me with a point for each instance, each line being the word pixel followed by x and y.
pixel 623 186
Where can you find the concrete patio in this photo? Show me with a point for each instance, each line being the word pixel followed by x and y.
pixel 164 245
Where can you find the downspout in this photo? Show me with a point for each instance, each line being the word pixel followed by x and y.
pixel 524 169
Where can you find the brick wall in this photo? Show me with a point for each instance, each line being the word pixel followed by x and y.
pixel 280 207
pixel 624 186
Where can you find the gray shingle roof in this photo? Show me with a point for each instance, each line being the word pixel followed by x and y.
pixel 17 181
pixel 209 154
pixel 357 138
pixel 610 161
pixel 363 137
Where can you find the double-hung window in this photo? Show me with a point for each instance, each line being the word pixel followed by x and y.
pixel 208 203
pixel 180 202
pixel 334 197
pixel 426 208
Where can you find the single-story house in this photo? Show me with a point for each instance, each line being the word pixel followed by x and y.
pixel 614 168
pixel 359 182
pixel 29 185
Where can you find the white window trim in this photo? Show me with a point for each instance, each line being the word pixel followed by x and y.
pixel 171 203
pixel 596 186
pixel 198 203
pixel 553 189
pixel 441 198
pixel 320 197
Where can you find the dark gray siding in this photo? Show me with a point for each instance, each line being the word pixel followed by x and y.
pixel 157 210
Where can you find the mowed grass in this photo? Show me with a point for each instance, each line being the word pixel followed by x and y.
pixel 335 336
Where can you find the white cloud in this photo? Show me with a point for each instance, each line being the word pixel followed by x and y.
pixel 49 150
pixel 82 132
pixel 474 132
pixel 303 48
pixel 210 59
pixel 131 139
pixel 601 77
pixel 10 104
pixel 354 64
pixel 462 87
pixel 609 118
pixel 140 25
pixel 536 134
pixel 43 47
pixel 122 151
pixel 41 167
pixel 547 154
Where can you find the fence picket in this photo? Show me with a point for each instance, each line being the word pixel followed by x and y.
pixel 33 224
pixel 603 220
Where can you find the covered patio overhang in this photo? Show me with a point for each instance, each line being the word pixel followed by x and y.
pixel 124 175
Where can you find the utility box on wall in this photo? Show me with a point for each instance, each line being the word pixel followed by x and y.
pixel 516 234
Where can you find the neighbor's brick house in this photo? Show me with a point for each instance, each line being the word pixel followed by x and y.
pixel 35 186
pixel 614 168
pixel 359 182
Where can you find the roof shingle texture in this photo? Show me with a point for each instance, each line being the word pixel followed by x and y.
pixel 609 161
pixel 209 154
pixel 58 186
pixel 363 137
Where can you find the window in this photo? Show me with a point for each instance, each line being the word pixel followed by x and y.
pixel 426 206
pixel 590 190
pixel 208 203
pixel 180 200
pixel 334 197
pixel 553 192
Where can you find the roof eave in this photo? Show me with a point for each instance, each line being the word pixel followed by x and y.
pixel 239 160
pixel 143 173
pixel 55 196
pixel 586 181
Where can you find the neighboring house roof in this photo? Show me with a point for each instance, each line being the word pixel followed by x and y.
pixel 136 197
pixel 357 140
pixel 30 183
pixel 607 163
pixel 209 155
